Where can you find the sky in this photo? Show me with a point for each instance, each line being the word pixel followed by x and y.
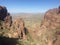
pixel 29 6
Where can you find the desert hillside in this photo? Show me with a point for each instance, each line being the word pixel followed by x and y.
pixel 30 28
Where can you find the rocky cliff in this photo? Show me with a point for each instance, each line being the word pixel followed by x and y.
pixel 47 34
pixel 49 26
pixel 11 28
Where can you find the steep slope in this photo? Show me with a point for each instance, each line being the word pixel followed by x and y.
pixel 11 28
pixel 49 26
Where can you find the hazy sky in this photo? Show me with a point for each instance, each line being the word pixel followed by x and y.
pixel 29 6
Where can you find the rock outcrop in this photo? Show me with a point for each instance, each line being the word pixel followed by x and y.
pixel 50 23
pixel 11 28
pixel 8 21
pixel 20 28
pixel 51 19
pixel 5 18
pixel 16 28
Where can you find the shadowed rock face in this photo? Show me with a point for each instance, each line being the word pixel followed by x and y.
pixel 59 10
pixel 8 41
pixel 3 12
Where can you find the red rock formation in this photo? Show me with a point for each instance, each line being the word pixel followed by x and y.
pixel 16 28
pixel 8 21
pixel 5 17
pixel 19 25
pixel 51 19
pixel 50 22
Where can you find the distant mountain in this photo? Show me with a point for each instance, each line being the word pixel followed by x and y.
pixel 28 16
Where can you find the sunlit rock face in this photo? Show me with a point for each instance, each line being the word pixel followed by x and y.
pixel 19 27
pixel 49 24
pixel 8 21
pixel 12 28
pixel 51 19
